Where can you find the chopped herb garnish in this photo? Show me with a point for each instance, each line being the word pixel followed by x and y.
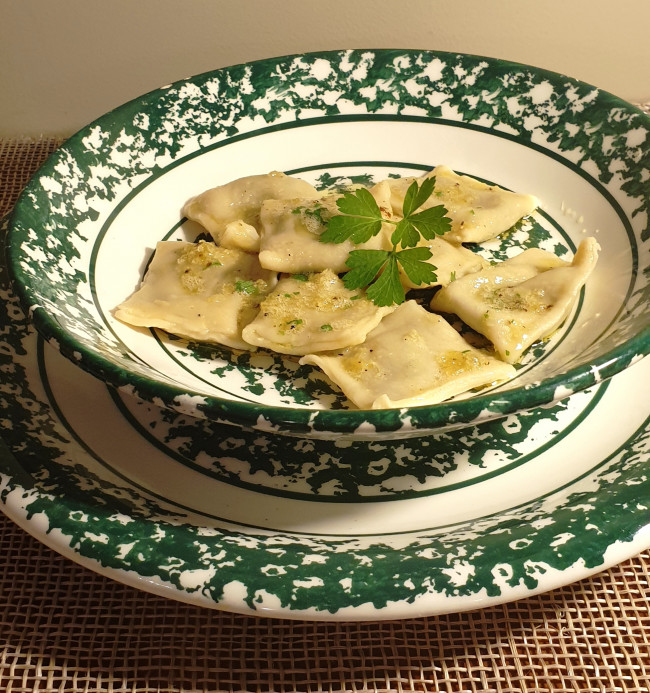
pixel 246 286
pixel 300 277
pixel 315 212
pixel 326 328
pixel 361 219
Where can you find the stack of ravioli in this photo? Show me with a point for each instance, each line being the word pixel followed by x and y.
pixel 265 280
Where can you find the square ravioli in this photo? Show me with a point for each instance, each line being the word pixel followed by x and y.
pixel 291 230
pixel 478 211
pixel 199 291
pixel 521 300
pixel 231 212
pixel 411 358
pixel 313 313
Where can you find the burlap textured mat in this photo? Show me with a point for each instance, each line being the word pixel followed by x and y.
pixel 63 628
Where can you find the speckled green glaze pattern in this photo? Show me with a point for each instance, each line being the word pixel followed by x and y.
pixel 76 195
pixel 356 471
pixel 51 483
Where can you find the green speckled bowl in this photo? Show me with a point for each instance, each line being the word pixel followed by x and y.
pixel 86 224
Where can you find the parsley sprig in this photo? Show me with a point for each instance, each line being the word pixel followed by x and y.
pixel 361 219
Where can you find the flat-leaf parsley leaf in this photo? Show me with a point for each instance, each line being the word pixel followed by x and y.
pixel 361 219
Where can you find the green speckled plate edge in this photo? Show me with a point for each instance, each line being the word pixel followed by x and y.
pixel 86 522
pixel 301 422
pixel 597 520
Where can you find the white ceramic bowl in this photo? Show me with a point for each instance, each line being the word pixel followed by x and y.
pixel 86 224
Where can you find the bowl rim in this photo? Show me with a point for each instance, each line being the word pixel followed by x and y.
pixel 298 420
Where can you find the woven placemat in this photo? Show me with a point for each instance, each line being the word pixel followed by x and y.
pixel 64 628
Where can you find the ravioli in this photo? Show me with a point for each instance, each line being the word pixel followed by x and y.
pixel 314 313
pixel 478 211
pixel 291 229
pixel 521 300
pixel 411 358
pixel 229 292
pixel 199 291
pixel 451 261
pixel 239 202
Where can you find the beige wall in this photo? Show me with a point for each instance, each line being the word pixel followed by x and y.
pixel 65 62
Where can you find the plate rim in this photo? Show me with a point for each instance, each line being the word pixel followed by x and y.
pixel 23 486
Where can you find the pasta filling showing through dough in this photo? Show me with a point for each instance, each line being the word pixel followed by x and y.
pixel 521 300
pixel 199 291
pixel 412 358
pixel 313 313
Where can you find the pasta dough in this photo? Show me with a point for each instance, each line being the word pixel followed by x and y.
pixel 314 313
pixel 411 358
pixel 199 291
pixel 521 300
